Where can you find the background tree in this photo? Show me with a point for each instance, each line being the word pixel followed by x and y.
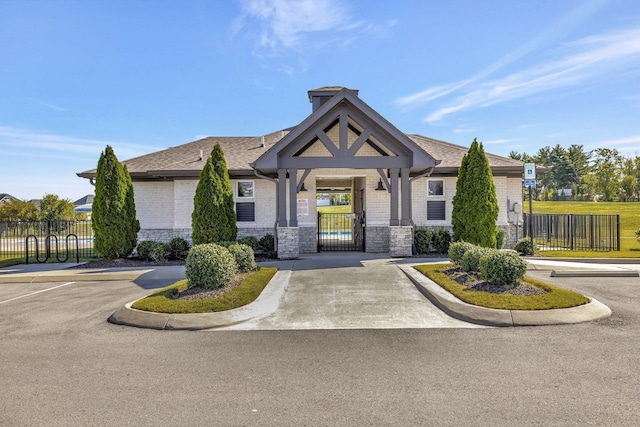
pixel 475 205
pixel 114 220
pixel 54 208
pixel 606 175
pixel 18 210
pixel 214 219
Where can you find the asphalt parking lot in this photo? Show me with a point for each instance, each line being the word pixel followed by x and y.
pixel 63 364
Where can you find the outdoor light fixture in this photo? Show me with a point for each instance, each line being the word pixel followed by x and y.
pixel 302 187
pixel 380 186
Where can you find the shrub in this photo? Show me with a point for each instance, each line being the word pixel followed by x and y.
pixel 150 250
pixel 210 266
pixel 500 239
pixel 422 240
pixel 441 240
pixel 457 251
pixel 266 243
pixel 471 259
pixel 251 241
pixel 502 268
pixel 524 247
pixel 226 243
pixel 244 257
pixel 178 248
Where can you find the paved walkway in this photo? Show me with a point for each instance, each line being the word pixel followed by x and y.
pixel 350 291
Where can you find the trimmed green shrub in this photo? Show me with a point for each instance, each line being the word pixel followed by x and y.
pixel 251 241
pixel 151 250
pixel 500 239
pixel 213 218
pixel 503 268
pixel 244 257
pixel 524 247
pixel 178 248
pixel 226 243
pixel 475 205
pixel 267 243
pixel 471 259
pixel 441 240
pixel 422 239
pixel 114 222
pixel 457 251
pixel 210 266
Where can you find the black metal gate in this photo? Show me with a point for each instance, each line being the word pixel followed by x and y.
pixel 341 232
pixel 574 232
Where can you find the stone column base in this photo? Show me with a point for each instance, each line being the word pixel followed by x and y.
pixel 288 242
pixel 400 241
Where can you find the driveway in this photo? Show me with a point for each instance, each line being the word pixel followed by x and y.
pixel 350 291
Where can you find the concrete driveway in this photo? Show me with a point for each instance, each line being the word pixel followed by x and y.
pixel 350 291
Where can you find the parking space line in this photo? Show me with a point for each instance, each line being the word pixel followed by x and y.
pixel 37 292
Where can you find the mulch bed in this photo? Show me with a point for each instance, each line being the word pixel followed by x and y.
pixel 472 282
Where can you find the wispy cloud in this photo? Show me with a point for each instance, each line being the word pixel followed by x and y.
pixel 284 27
pixel 41 143
pixel 627 146
pixel 52 106
pixel 581 62
pixel 498 141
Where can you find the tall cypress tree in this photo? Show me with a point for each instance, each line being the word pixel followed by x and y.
pixel 114 222
pixel 214 219
pixel 475 205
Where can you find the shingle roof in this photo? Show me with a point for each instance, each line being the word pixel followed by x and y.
pixel 240 151
pixel 450 156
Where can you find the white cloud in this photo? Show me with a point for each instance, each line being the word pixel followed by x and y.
pixel 582 62
pixel 498 141
pixel 284 27
pixel 18 141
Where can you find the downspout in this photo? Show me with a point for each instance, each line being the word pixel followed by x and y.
pixel 275 225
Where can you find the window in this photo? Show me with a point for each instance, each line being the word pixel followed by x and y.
pixel 245 189
pixel 436 210
pixel 245 212
pixel 435 188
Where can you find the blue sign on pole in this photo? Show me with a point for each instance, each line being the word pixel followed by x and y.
pixel 529 182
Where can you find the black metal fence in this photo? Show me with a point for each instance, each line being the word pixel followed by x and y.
pixel 52 239
pixel 574 232
pixel 340 232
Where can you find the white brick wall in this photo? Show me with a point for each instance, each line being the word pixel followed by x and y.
pixel 154 207
pixel 184 192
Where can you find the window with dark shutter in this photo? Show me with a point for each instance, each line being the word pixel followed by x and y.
pixel 245 212
pixel 436 210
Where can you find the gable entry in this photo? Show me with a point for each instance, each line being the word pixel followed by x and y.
pixel 342 132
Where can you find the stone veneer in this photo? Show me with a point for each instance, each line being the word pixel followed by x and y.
pixel 400 241
pixel 377 238
pixel 308 238
pixel 257 232
pixel 164 234
pixel 288 242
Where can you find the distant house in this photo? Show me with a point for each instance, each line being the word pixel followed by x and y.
pixel 4 197
pixel 84 205
pixel 396 181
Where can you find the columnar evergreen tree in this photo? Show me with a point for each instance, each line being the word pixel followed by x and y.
pixel 114 222
pixel 475 205
pixel 213 219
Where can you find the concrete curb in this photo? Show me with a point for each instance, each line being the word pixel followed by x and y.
pixel 458 309
pixel 594 273
pixel 265 304
pixel 66 276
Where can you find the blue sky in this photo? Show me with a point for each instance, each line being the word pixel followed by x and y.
pixel 146 75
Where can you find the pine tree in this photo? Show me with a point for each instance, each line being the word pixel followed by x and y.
pixel 475 205
pixel 113 218
pixel 214 219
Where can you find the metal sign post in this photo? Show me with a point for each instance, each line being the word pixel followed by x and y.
pixel 530 181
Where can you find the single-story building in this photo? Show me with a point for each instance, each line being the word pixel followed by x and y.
pixel 396 181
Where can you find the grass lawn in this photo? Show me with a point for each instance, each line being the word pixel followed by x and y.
pixel 557 297
pixel 335 209
pixel 243 294
pixel 629 223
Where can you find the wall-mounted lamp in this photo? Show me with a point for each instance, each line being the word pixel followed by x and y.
pixel 380 186
pixel 302 187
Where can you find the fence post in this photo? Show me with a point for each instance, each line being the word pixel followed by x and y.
pixel 618 232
